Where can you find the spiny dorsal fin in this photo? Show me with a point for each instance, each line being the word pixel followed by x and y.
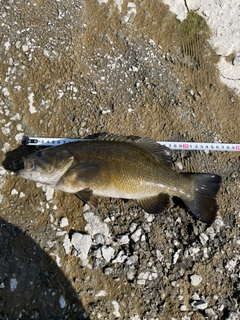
pixel 161 153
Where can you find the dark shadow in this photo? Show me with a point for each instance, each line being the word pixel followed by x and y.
pixel 13 161
pixel 31 284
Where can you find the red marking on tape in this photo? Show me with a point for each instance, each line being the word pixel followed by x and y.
pixel 237 147
pixel 185 146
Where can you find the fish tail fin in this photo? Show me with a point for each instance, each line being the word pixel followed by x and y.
pixel 204 205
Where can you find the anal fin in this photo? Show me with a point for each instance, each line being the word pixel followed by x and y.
pixel 86 195
pixel 155 204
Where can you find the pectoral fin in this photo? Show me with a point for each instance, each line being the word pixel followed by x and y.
pixel 155 204
pixel 86 195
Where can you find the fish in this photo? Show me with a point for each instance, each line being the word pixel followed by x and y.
pixel 126 167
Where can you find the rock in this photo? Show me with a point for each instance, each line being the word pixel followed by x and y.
pixel 142 277
pixel 67 244
pixel 200 304
pixel 121 257
pixel 123 239
pixel 136 235
pixel 183 308
pixel 107 253
pixel 95 226
pixel 99 239
pixel 101 293
pixel 203 238
pixel 63 222
pixel 82 244
pixel 211 314
pixel 195 279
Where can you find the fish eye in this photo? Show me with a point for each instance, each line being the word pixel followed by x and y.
pixel 39 153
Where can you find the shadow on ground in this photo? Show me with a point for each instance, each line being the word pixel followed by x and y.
pixel 31 283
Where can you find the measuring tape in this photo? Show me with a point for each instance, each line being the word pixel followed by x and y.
pixel 37 141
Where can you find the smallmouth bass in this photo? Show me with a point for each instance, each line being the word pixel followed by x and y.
pixel 122 167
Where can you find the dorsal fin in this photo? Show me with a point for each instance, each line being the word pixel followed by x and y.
pixel 161 153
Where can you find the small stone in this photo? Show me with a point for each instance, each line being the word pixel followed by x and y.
pixel 101 293
pixel 116 309
pixel 131 272
pixel 233 316
pixel 143 276
pixel 133 227
pixel 123 239
pixel 203 238
pixel 176 256
pixel 211 314
pixel 195 296
pixel 200 304
pixel 99 239
pixel 196 279
pixel 121 257
pixel 82 244
pixel 62 302
pixel 107 253
pixel 136 235
pixel 183 308
pixel 63 222
pixel 67 244
pixel 236 61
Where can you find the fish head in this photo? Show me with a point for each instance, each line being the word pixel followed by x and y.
pixel 46 166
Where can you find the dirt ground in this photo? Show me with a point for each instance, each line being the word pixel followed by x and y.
pixel 73 68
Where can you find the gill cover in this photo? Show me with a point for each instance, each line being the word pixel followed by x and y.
pixel 46 166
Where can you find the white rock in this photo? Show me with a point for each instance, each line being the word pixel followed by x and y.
pixel 101 293
pixel 116 309
pixel 120 258
pixel 95 225
pixel 82 244
pixel 201 305
pixel 135 317
pixel 63 222
pixel 107 253
pixel 176 256
pixel 62 302
pixel 13 284
pixel 233 316
pixel 195 279
pixel 124 239
pixel 203 238
pixel 136 235
pixel 183 308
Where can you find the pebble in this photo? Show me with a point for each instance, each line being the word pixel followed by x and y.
pixel 236 61
pixel 121 257
pixel 176 256
pixel 101 293
pixel 203 238
pixel 195 279
pixel 136 235
pixel 63 222
pixel 107 253
pixel 123 239
pixel 99 239
pixel 233 316
pixel 95 226
pixel 183 308
pixel 200 304
pixel 82 244
pixel 211 314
